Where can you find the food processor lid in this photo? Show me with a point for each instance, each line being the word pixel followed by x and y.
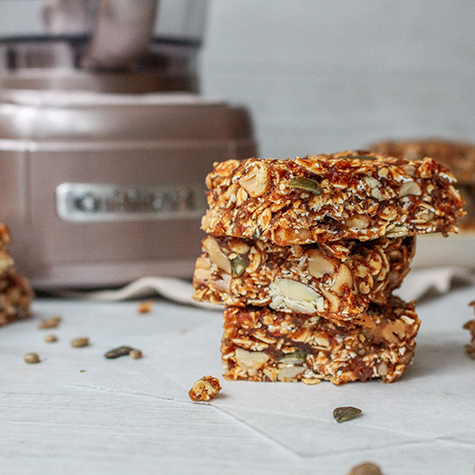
pixel 180 21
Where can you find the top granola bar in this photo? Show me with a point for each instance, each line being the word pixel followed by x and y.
pixel 349 195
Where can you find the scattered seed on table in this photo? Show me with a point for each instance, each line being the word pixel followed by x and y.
pixel 31 358
pixel 145 307
pixel 117 352
pixel 135 354
pixel 51 338
pixel 80 342
pixel 342 414
pixel 51 322
pixel 366 468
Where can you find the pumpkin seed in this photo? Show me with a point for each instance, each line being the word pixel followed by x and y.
pixel 298 357
pixel 342 414
pixel 305 184
pixel 117 352
pixel 239 265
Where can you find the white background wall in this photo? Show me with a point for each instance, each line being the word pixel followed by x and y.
pixel 323 76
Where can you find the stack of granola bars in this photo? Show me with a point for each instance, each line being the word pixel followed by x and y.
pixel 304 254
pixel 15 292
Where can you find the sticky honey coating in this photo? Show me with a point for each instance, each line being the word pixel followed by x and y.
pixel 325 198
pixel 336 280
pixel 264 345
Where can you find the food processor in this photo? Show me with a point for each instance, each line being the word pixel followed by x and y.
pixel 105 139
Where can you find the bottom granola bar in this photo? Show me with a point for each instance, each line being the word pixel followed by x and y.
pixel 264 345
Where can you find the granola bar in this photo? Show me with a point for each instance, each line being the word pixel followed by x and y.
pixel 264 345
pixel 15 297
pixel 470 326
pixel 334 280
pixel 458 157
pixel 349 195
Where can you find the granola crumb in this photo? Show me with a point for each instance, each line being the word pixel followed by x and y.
pixel 145 307
pixel 205 389
pixel 366 468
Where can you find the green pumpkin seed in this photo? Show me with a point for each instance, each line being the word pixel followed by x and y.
pixel 306 184
pixel 342 414
pixel 239 265
pixel 117 352
pixel 298 357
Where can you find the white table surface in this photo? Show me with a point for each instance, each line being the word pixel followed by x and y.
pixel 129 416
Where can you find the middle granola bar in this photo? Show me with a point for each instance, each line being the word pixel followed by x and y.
pixel 335 280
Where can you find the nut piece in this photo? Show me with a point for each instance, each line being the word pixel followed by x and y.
pixel 51 322
pixel 318 264
pixel 216 255
pixel 251 361
pixel 31 358
pixel 205 389
pixel 135 354
pixel 80 342
pixel 255 181
pixel 290 294
pixel 366 468
pixel 145 307
pixel 51 338
pixel 409 188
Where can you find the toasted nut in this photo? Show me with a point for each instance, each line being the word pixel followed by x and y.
pixel 250 361
pixel 311 381
pixel 51 322
pixel 318 264
pixel 135 354
pixel 31 358
pixel 358 222
pixel 51 338
pixel 366 468
pixel 205 389
pixel 145 307
pixel 290 294
pixel 409 188
pixel 287 373
pixel 216 255
pixel 398 231
pixel 255 181
pixel 80 342
pixel 343 279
